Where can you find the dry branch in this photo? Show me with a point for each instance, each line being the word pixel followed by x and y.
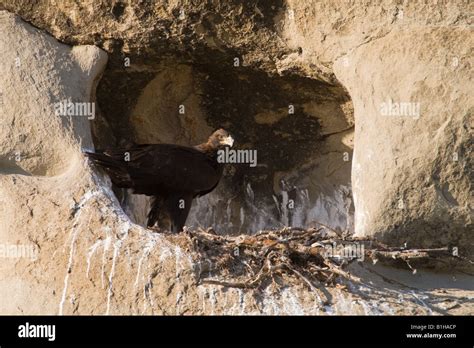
pixel 289 255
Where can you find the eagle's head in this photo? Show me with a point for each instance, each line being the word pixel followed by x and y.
pixel 220 138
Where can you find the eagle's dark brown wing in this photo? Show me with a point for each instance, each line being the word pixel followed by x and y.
pixel 160 169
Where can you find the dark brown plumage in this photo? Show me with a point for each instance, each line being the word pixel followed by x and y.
pixel 172 174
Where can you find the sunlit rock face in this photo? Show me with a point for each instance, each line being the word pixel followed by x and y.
pixel 418 173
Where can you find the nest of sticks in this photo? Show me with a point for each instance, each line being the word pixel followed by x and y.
pixel 315 257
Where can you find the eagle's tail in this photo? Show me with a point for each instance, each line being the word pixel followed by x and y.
pixel 114 168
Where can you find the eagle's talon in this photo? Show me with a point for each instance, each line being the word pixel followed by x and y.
pixel 154 228
pixel 210 230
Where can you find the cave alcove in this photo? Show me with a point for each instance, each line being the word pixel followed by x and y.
pixel 301 128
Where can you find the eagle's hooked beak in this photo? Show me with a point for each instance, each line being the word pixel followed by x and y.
pixel 228 141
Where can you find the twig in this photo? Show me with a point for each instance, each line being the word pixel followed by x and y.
pixel 290 251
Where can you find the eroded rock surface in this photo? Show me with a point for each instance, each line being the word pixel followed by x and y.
pixel 411 165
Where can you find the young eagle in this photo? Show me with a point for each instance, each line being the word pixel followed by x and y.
pixel 171 174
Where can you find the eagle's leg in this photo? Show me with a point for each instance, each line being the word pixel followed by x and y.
pixel 154 212
pixel 178 207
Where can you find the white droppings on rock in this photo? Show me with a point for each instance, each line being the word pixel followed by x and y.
pixel 291 305
pixel 90 253
pixel 74 233
pixel 180 295
pixel 105 248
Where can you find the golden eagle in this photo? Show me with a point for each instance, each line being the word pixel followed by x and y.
pixel 173 175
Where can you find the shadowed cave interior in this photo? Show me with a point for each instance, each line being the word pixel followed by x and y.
pixel 301 128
